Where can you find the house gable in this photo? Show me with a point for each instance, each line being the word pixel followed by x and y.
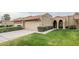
pixel 46 19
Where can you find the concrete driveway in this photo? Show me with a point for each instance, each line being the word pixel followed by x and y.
pixel 14 34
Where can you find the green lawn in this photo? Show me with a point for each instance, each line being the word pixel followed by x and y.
pixel 66 37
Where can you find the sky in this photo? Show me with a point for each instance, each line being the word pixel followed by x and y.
pixel 15 15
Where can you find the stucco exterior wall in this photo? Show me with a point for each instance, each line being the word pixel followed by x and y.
pixel 66 21
pixel 71 20
pixel 76 19
pixel 46 20
pixel 0 24
pixel 59 18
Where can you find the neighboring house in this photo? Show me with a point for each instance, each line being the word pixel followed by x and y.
pixel 14 22
pixel 18 21
pixel 7 22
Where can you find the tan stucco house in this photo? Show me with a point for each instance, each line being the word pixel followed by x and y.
pixel 33 22
pixel 45 20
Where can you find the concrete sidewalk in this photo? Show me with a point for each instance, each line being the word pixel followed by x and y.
pixel 45 32
pixel 14 34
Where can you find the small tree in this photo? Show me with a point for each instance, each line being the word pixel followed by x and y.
pixel 6 17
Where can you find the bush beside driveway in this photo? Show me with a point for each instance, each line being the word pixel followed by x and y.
pixel 8 29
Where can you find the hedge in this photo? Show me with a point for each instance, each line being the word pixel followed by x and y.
pixel 41 29
pixel 72 27
pixel 2 26
pixel 9 25
pixel 7 29
pixel 6 26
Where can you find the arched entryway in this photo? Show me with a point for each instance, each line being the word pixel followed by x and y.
pixel 60 24
pixel 55 24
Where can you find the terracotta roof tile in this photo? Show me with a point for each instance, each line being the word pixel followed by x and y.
pixel 32 18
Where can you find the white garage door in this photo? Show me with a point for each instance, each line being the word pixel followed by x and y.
pixel 32 25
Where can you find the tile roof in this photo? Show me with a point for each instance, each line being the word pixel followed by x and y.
pixel 31 18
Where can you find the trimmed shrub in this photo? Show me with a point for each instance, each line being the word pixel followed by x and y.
pixel 19 25
pixel 9 25
pixel 8 29
pixel 50 27
pixel 72 27
pixel 41 29
pixel 67 26
pixel 1 26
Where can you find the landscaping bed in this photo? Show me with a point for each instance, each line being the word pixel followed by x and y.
pixel 42 29
pixel 68 37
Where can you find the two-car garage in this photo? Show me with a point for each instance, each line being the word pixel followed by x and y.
pixel 32 25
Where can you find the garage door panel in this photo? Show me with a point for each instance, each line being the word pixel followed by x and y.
pixel 31 25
